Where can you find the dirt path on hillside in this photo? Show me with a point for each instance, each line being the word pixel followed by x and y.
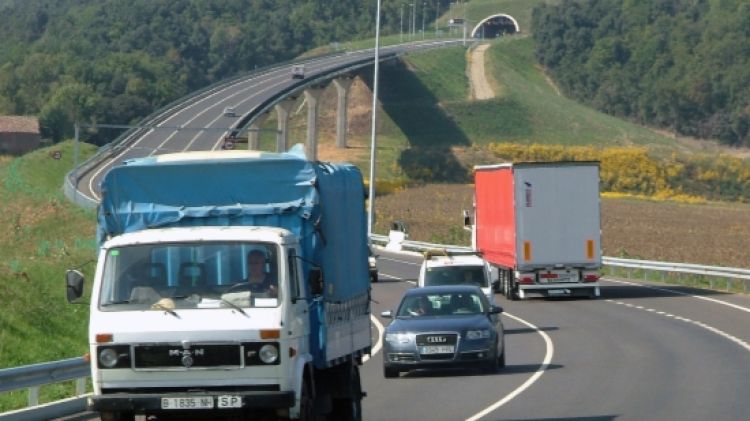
pixel 480 87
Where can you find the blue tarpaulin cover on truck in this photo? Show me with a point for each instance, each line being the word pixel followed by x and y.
pixel 322 203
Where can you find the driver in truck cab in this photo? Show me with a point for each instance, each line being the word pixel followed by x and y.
pixel 258 279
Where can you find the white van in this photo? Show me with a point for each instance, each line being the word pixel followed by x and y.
pixel 445 267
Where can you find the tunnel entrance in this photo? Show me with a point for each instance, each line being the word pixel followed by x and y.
pixel 495 26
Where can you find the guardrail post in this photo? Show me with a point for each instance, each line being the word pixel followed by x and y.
pixel 33 399
pixel 80 386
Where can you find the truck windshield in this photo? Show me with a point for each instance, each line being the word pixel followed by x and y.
pixel 452 275
pixel 190 276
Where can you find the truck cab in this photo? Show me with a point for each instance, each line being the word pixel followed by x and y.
pixel 443 267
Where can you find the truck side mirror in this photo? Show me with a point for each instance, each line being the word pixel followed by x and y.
pixel 74 283
pixel 315 278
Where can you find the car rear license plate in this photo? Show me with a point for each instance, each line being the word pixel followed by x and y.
pixel 188 402
pixel 436 349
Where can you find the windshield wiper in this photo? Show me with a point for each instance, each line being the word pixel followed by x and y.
pixel 234 306
pixel 165 308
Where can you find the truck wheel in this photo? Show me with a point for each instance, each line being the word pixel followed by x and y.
pixel 117 416
pixel 307 402
pixel 350 408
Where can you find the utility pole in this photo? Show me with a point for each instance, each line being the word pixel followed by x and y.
pixel 437 14
pixel 424 6
pixel 401 27
pixel 414 20
pixel 371 196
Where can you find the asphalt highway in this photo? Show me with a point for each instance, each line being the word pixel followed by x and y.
pixel 639 352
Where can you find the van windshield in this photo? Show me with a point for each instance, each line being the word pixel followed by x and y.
pixel 453 275
pixel 190 275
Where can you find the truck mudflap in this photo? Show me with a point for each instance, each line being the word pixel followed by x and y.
pixel 561 290
pixel 177 402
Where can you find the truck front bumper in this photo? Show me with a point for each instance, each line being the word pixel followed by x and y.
pixel 152 402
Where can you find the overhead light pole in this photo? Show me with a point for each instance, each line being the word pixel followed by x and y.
pixel 414 20
pixel 424 6
pixel 401 27
pixel 371 196
pixel 437 15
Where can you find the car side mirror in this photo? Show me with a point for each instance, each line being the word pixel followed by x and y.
pixel 388 314
pixel 74 285
pixel 315 279
pixel 496 309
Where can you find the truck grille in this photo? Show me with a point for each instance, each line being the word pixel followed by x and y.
pixel 194 356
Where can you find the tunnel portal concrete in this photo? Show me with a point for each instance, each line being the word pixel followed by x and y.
pixel 495 26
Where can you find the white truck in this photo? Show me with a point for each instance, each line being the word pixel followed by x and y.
pixel 539 225
pixel 174 328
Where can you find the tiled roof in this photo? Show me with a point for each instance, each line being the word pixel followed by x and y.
pixel 18 124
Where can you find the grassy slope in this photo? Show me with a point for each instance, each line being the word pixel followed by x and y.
pixel 45 234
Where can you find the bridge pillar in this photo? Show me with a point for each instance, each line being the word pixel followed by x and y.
pixel 253 135
pixel 342 88
pixel 312 95
pixel 282 115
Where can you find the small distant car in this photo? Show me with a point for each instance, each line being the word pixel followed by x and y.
pixel 298 71
pixel 452 267
pixel 229 112
pixel 373 263
pixel 442 327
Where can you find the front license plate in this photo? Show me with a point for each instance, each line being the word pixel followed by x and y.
pixel 229 401
pixel 436 349
pixel 192 402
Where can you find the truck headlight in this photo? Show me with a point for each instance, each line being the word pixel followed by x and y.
pixel 478 334
pixel 113 356
pixel 269 353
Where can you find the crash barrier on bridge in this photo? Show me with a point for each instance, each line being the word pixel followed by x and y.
pixel 712 277
pixel 34 376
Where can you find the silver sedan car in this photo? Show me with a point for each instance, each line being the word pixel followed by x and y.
pixel 443 326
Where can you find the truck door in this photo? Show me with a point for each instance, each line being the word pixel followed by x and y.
pixel 299 326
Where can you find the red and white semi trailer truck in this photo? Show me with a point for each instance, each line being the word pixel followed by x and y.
pixel 538 224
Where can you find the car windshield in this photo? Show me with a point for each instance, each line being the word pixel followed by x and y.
pixel 446 304
pixel 453 275
pixel 190 275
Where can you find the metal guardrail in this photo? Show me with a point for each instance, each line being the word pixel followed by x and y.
pixel 37 375
pixel 727 274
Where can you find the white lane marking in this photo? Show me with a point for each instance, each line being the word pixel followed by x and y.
pixel 379 342
pixel 527 383
pixel 710 328
pixel 700 297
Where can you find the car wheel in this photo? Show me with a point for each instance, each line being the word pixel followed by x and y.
pixel 389 372
pixel 501 358
pixel 374 277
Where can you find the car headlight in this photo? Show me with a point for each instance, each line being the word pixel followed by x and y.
pixel 269 353
pixel 397 338
pixel 478 334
